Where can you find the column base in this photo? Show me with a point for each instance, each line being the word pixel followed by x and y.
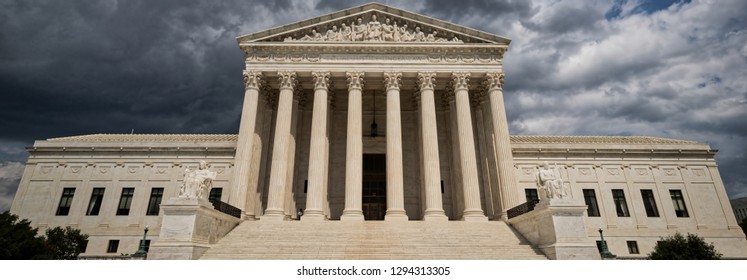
pixel 313 217
pixel 352 216
pixel 272 217
pixel 504 216
pixel 249 218
pixel 474 216
pixel 396 217
pixel 435 217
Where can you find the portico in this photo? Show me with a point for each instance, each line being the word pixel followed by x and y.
pixel 312 91
pixel 311 95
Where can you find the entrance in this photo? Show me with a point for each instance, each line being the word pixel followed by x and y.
pixel 374 186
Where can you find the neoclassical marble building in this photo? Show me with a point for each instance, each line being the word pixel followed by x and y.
pixel 375 113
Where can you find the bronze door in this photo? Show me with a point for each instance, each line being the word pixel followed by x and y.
pixel 374 186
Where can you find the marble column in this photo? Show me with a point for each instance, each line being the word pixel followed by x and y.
pixel 429 149
pixel 290 202
pixel 457 199
pixel 468 162
pixel 354 153
pixel 317 150
pixel 279 168
pixel 395 197
pixel 483 164
pixel 325 195
pixel 510 196
pixel 244 146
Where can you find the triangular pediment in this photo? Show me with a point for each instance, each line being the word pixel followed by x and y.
pixel 374 23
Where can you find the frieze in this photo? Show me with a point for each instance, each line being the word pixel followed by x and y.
pixel 373 57
pixel 391 58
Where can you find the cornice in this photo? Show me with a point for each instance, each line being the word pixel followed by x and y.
pixel 372 48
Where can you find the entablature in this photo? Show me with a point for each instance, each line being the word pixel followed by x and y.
pixel 378 54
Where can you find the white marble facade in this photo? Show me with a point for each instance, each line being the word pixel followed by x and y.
pixel 305 136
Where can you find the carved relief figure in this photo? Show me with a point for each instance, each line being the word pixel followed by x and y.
pixel 374 29
pixel 418 36
pixel 315 36
pixel 549 180
pixel 347 33
pixel 332 34
pixel 431 37
pixel 387 30
pixel 359 30
pixel 198 182
pixel 404 34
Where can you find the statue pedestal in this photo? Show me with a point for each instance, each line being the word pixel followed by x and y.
pixel 557 227
pixel 189 227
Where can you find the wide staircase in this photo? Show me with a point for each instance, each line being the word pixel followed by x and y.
pixel 373 240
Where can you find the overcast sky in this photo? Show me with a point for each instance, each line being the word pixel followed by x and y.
pixel 656 68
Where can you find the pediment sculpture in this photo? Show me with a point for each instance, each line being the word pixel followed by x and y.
pixel 373 31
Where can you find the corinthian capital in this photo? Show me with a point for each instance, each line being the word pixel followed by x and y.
pixel 426 80
pixel 493 80
pixel 355 80
pixel 252 79
pixel 321 79
pixel 460 80
pixel 287 79
pixel 392 80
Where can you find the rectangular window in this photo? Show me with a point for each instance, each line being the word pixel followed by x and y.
pixel 591 202
pixel 124 201
pixel 215 194
pixel 65 201
pixel 679 203
pixel 531 195
pixel 113 246
pixel 620 205
pixel 154 203
pixel 97 197
pixel 649 203
pixel 633 247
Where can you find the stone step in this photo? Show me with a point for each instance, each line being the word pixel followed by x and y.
pixel 373 240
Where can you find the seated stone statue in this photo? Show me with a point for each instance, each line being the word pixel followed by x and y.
pixel 549 180
pixel 198 182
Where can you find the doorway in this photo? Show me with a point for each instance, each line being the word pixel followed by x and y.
pixel 374 186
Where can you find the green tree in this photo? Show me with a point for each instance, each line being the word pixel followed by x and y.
pixel 18 240
pixel 65 244
pixel 678 247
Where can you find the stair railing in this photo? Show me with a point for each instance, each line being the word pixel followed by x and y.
pixel 523 208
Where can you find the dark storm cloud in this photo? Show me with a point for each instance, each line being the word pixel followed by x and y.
pixel 111 66
pixel 459 11
pixel 567 19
